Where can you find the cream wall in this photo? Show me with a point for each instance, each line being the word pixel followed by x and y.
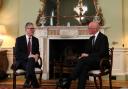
pixel 15 13
pixel 28 13
pixel 112 11
pixel 9 16
pixel 125 19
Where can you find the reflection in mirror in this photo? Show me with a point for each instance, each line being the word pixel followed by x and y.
pixel 79 11
pixel 69 12
pixel 47 14
pixel 50 10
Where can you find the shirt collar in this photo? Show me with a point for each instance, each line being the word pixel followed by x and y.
pixel 28 37
pixel 96 34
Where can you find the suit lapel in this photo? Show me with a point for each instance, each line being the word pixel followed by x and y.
pixel 97 39
pixel 25 41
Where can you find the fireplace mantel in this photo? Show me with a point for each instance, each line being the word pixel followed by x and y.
pixel 64 31
pixel 58 32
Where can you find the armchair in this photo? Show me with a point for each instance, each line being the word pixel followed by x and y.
pixel 19 72
pixel 105 69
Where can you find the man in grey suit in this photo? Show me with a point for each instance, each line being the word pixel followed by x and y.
pixel 98 48
pixel 27 53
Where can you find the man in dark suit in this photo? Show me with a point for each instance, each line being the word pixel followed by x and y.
pixel 98 48
pixel 27 53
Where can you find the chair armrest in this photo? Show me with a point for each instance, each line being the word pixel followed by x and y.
pixel 13 66
pixel 40 62
pixel 104 64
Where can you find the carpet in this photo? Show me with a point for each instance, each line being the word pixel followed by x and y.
pixel 50 84
pixel 5 86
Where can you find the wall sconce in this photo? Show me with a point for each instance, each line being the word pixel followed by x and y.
pixel 2 33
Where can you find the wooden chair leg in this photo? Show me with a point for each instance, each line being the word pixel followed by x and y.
pixel 100 80
pixel 56 87
pixel 95 82
pixel 40 78
pixel 14 81
pixel 110 81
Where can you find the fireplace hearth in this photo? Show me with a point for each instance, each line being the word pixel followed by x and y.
pixel 65 52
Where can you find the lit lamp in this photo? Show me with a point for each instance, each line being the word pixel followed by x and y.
pixel 2 33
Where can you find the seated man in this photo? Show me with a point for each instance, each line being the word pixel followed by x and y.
pixel 27 53
pixel 98 48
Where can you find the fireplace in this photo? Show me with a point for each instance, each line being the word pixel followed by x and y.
pixel 65 52
pixel 55 42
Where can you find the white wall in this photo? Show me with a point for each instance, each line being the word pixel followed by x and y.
pixel 112 11
pixel 28 11
pixel 125 19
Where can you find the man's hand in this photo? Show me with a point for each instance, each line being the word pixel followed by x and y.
pixel 34 56
pixel 83 55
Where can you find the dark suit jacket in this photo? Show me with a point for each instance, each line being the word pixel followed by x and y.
pixel 21 51
pixel 101 47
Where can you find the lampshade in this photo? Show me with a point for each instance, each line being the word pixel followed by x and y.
pixel 1 41
pixel 2 30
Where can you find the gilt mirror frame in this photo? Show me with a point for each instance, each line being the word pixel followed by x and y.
pixel 57 13
pixel 1 2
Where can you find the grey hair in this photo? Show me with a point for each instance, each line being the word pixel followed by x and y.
pixel 28 23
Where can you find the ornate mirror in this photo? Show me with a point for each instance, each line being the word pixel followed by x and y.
pixel 69 12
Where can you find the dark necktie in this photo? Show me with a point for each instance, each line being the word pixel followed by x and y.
pixel 29 46
pixel 93 40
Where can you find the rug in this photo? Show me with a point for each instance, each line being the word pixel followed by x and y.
pixel 5 86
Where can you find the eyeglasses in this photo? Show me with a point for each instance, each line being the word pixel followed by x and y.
pixel 92 28
pixel 30 28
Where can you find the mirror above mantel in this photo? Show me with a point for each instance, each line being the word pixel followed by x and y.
pixel 69 12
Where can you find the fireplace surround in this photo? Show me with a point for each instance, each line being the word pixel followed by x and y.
pixel 58 35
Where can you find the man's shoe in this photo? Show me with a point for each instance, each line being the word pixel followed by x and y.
pixel 27 84
pixel 64 83
pixel 35 84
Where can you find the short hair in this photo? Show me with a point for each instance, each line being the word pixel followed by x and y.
pixel 28 23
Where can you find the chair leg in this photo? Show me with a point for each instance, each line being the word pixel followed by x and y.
pixel 110 81
pixel 40 78
pixel 100 80
pixel 95 82
pixel 56 87
pixel 14 81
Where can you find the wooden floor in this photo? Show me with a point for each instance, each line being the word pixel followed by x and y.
pixel 51 83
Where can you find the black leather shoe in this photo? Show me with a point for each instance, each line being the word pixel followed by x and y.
pixel 35 84
pixel 27 84
pixel 63 83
